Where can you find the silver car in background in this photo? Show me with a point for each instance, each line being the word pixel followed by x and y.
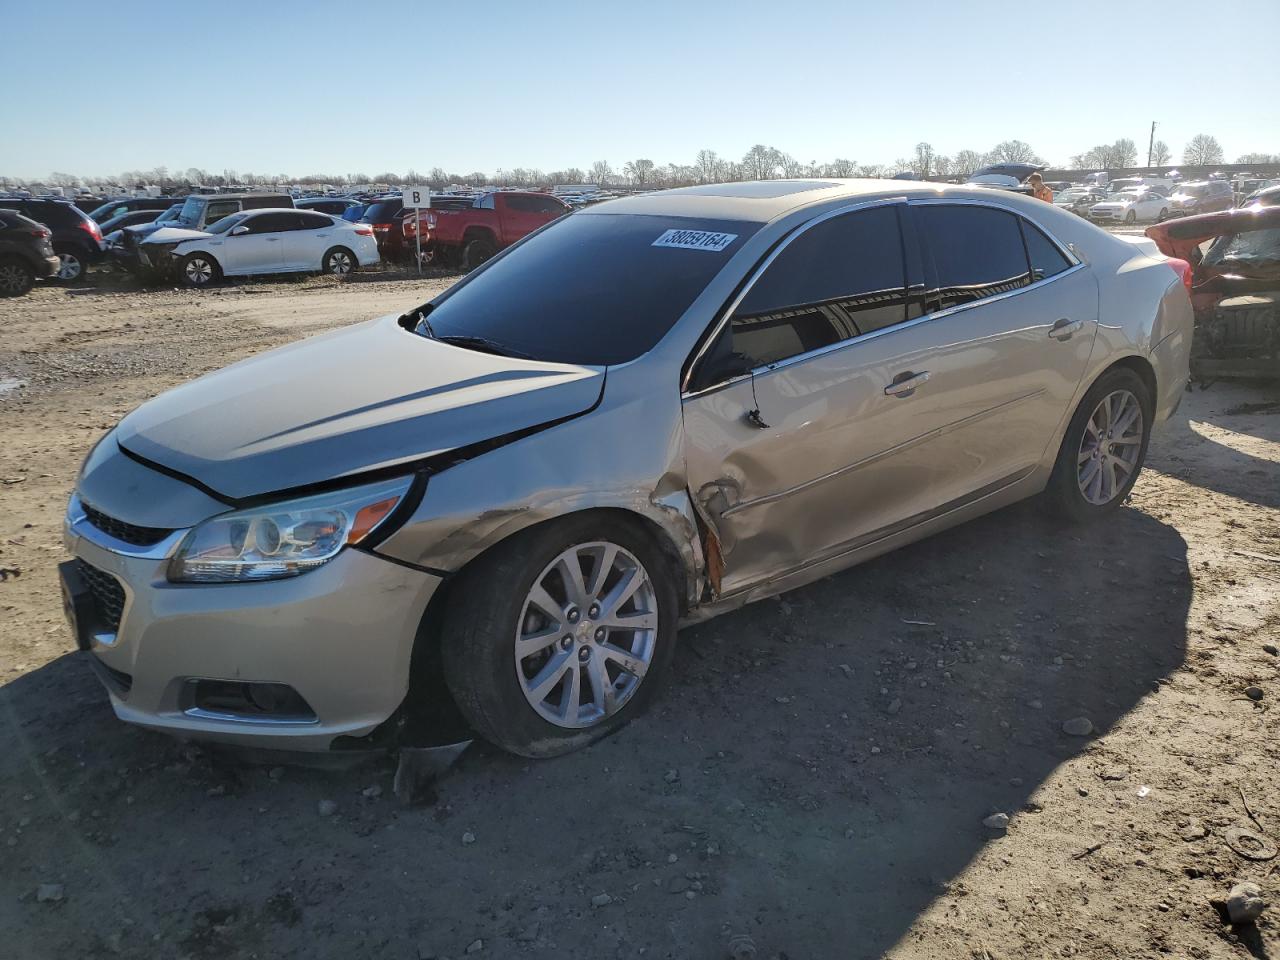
pixel 652 411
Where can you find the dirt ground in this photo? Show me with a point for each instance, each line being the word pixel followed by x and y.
pixel 815 776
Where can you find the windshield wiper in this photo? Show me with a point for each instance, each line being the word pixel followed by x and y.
pixel 482 344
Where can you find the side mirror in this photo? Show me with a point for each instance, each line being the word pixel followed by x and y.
pixel 719 370
pixel 238 231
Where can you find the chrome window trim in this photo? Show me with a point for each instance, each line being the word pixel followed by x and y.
pixel 77 523
pixel 1076 264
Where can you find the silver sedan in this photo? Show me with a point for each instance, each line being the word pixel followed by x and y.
pixel 506 500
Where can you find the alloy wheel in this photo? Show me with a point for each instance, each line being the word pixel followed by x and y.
pixel 339 263
pixel 199 271
pixel 69 266
pixel 1110 447
pixel 586 635
pixel 13 280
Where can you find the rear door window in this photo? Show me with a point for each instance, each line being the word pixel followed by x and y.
pixel 840 278
pixel 973 252
pixel 311 221
pixel 1046 259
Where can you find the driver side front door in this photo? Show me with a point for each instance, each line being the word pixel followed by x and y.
pixel 260 249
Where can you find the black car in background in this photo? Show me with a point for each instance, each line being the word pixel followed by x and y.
pixel 384 216
pixel 121 205
pixel 25 253
pixel 334 206
pixel 77 238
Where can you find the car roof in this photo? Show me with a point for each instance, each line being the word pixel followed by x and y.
pixel 760 201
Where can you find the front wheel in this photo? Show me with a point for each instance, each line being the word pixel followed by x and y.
pixel 559 635
pixel 1104 447
pixel 339 261
pixel 1164 215
pixel 199 270
pixel 16 277
pixel 1131 217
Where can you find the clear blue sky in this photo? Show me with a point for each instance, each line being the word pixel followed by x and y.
pixel 279 86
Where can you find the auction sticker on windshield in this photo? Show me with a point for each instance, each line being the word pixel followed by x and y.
pixel 695 240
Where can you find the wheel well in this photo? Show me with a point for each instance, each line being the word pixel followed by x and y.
pixel 1142 367
pixel 428 710
pixel 478 233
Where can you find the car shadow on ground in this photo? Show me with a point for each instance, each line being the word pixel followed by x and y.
pixel 815 775
pixel 1231 445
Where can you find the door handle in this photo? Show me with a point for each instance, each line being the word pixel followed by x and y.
pixel 904 384
pixel 1064 328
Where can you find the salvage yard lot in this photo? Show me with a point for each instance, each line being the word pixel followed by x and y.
pixel 815 776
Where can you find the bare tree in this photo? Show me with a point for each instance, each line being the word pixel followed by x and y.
pixel 601 173
pixel 1012 151
pixel 965 162
pixel 840 167
pixel 1202 150
pixel 1160 154
pixel 942 165
pixel 707 162
pixel 760 162
pixel 873 170
pixel 1258 158
pixel 639 172
pixel 922 166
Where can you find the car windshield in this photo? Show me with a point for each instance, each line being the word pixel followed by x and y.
pixel 225 224
pixel 170 215
pixel 1074 193
pixel 1192 190
pixel 189 215
pixel 1254 247
pixel 590 288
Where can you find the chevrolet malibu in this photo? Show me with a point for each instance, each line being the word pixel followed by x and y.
pixel 644 414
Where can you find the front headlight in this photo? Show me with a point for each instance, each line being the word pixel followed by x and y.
pixel 284 539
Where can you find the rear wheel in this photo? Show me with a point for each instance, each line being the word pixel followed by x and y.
pixel 1164 215
pixel 72 264
pixel 199 270
pixel 477 252
pixel 1104 447
pixel 16 277
pixel 340 261
pixel 559 635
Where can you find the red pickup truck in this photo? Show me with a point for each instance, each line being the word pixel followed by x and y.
pixel 472 233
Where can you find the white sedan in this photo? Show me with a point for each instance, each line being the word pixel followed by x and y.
pixel 272 240
pixel 1130 206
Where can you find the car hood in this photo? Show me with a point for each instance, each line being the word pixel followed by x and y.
pixel 366 397
pixel 175 235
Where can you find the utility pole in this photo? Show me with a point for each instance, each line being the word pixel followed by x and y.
pixel 1151 144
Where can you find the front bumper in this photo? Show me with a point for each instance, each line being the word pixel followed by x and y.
pixel 340 636
pixel 48 266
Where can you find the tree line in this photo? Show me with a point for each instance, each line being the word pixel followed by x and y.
pixel 761 162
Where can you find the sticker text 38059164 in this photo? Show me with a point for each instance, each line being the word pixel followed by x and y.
pixel 695 240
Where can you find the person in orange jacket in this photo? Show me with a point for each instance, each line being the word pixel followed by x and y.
pixel 1038 188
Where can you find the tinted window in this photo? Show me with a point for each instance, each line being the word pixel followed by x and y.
pixel 976 252
pixel 523 204
pixel 838 279
pixel 226 223
pixel 272 222
pixel 217 209
pixel 383 211
pixel 588 289
pixel 311 221
pixel 1046 259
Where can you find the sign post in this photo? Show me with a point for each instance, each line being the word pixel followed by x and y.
pixel 415 199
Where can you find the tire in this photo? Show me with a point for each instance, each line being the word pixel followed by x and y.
pixel 477 252
pixel 1073 492
pixel 74 264
pixel 340 262
pixel 199 270
pixel 16 277
pixel 1131 217
pixel 1164 215
pixel 492 605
